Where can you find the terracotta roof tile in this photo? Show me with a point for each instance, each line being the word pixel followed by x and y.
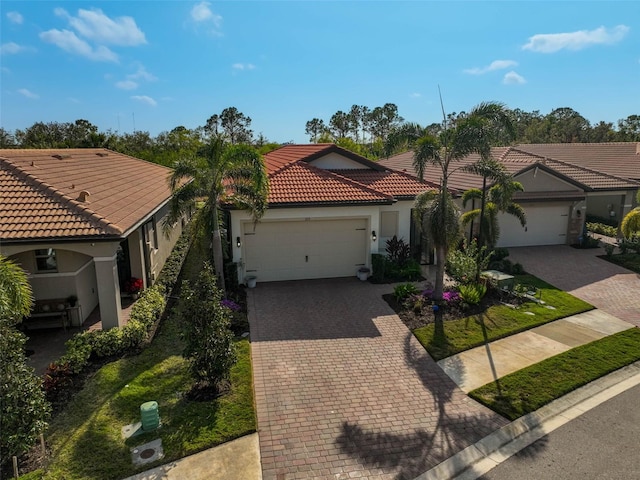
pixel 515 160
pixel 301 183
pixel 46 184
pixel 283 156
pixel 391 182
pixel 620 159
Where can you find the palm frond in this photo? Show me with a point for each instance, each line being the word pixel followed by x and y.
pixel 471 194
pixel 427 150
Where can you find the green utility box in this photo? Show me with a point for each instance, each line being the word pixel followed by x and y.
pixel 150 416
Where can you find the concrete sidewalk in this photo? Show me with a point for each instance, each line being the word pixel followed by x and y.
pixel 481 365
pixel 235 460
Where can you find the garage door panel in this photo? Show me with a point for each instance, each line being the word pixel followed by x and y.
pixel 547 224
pixel 292 250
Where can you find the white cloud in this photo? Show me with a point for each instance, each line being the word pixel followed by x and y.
pixel 15 17
pixel 98 27
pixel 69 42
pixel 11 48
pixel 513 78
pixel 243 66
pixel 142 74
pixel 415 95
pixel 145 99
pixel 553 42
pixel 202 13
pixel 127 85
pixel 73 100
pixel 495 65
pixel 28 94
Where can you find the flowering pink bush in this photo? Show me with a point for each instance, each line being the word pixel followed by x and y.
pixel 133 285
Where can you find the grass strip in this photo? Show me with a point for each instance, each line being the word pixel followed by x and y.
pixel 533 387
pixel 500 321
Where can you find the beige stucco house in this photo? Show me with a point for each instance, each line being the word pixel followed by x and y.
pixel 84 221
pixel 558 192
pixel 329 210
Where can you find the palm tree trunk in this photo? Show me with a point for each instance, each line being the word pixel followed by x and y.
pixel 218 255
pixel 480 239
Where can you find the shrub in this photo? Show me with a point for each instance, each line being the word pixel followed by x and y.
pixel 611 222
pixel 472 293
pixel 463 264
pixel 411 271
pixel 24 410
pixel 170 272
pixel 209 341
pixel 608 249
pixel 380 266
pixel 398 251
pixel 499 253
pixel 403 291
pixel 602 229
pixel 517 269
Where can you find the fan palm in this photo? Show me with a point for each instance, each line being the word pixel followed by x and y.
pixel 224 174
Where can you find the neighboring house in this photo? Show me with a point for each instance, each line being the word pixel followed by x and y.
pixel 329 210
pixel 558 193
pixel 84 221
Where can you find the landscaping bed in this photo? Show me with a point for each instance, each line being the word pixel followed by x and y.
pixel 630 261
pixel 529 389
pixel 492 320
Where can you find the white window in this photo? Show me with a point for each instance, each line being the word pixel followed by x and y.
pixel 46 260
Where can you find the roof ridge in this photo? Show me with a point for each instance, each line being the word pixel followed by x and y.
pixel 590 170
pixel 266 155
pixel 393 170
pixel 580 143
pixel 65 200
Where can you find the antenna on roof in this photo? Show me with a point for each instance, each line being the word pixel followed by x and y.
pixel 133 115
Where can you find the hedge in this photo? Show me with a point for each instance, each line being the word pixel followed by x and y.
pixel 602 229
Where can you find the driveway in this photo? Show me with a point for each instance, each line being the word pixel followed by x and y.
pixel 581 273
pixel 343 389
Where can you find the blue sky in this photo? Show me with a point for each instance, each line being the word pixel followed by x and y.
pixel 169 63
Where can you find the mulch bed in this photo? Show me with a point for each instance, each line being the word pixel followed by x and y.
pixel 413 319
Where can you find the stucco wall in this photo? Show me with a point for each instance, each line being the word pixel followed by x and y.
pixel 159 255
pixel 537 180
pixel 334 161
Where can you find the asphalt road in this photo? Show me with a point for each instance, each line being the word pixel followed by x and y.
pixel 603 443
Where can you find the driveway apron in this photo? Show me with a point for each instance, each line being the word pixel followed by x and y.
pixel 603 284
pixel 343 389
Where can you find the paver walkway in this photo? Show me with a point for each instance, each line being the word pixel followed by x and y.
pixel 603 284
pixel 476 367
pixel 343 389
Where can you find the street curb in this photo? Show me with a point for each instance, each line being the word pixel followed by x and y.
pixel 482 456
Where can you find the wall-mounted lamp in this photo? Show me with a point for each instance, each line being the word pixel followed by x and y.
pixel 374 237
pixel 238 242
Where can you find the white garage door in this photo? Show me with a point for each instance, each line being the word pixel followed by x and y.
pixel 547 224
pixel 296 250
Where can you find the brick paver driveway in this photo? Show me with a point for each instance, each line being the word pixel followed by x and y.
pixel 343 390
pixel 580 272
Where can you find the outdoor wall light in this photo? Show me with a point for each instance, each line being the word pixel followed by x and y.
pixel 374 237
pixel 238 242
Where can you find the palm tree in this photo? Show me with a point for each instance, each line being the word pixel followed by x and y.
pixel 631 222
pixel 15 292
pixel 496 200
pixel 225 174
pixel 472 133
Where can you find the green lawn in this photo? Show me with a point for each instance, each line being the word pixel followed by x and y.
pixel 630 261
pixel 499 321
pixel 529 389
pixel 85 438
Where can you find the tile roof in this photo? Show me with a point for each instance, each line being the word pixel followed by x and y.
pixel 295 181
pixel 41 193
pixel 620 159
pixel 515 160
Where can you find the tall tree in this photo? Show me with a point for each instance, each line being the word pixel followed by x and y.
pixel 383 120
pixel 314 128
pixel 223 174
pixel 629 129
pixel 340 124
pixel 472 133
pixel 235 126
pixel 7 139
pixel 567 126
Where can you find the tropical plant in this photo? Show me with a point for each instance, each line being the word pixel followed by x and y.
pixel 496 200
pixel 464 263
pixel 435 211
pixel 403 291
pixel 631 222
pixel 398 251
pixel 209 340
pixel 225 174
pixel 24 410
pixel 472 293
